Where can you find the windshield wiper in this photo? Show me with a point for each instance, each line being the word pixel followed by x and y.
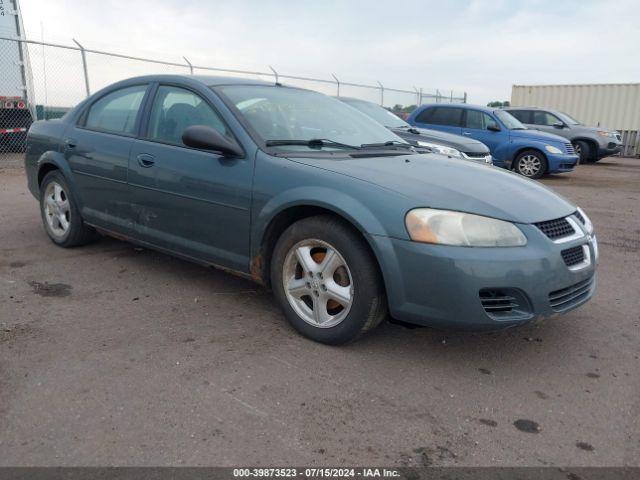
pixel 313 143
pixel 390 143
pixel 408 128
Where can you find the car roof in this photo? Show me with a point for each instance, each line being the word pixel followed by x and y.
pixel 464 106
pixel 528 108
pixel 207 80
pixel 353 99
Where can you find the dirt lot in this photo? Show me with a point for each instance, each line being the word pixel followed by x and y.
pixel 114 355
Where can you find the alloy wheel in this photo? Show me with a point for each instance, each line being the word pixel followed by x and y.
pixel 529 165
pixel 317 283
pixel 57 209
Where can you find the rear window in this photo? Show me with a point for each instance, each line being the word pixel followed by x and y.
pixel 441 116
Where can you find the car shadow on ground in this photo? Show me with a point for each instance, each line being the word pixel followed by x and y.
pixel 423 345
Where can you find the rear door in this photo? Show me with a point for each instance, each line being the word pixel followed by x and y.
pixel 477 125
pixel 189 201
pixel 97 149
pixel 445 119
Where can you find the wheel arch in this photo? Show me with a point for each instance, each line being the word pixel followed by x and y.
pixel 272 222
pixel 523 148
pixel 49 162
pixel 595 146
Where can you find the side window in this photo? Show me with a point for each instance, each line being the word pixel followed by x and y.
pixel 174 109
pixel 523 115
pixel 426 115
pixel 451 117
pixel 116 112
pixel 544 118
pixel 478 120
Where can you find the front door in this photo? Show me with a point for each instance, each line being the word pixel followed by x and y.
pixel 192 202
pixel 482 127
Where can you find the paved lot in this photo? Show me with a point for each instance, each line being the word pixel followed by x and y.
pixel 110 355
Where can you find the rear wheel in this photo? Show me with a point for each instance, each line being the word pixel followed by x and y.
pixel 60 213
pixel 326 281
pixel 530 164
pixel 584 151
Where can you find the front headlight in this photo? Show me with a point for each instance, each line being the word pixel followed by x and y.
pixel 587 222
pixel 604 133
pixel 552 149
pixel 446 227
pixel 452 152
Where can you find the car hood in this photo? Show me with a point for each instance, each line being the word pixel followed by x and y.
pixel 530 134
pixel 436 181
pixel 458 142
pixel 584 128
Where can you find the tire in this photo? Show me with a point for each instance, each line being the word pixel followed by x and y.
pixel 530 164
pixel 584 151
pixel 351 275
pixel 60 214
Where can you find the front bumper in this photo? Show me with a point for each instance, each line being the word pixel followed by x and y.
pixel 562 162
pixel 442 286
pixel 608 149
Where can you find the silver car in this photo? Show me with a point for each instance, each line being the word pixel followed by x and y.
pixel 590 143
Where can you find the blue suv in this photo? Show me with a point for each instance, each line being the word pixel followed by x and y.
pixel 529 152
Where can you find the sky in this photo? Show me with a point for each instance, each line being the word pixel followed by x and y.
pixel 478 47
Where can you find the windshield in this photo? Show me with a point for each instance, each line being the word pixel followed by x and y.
pixel 280 113
pixel 569 120
pixel 508 120
pixel 378 113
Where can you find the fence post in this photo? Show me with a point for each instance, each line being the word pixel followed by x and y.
pixel 417 96
pixel 189 63
pixel 464 100
pixel 381 93
pixel 84 67
pixel 274 72
pixel 337 83
pixel 420 102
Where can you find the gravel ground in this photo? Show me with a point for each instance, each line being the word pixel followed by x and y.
pixel 115 355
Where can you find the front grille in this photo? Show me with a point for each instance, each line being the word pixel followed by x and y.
pixel 557 228
pixel 573 256
pixel 570 297
pixel 504 303
pixel 579 216
pixel 618 137
pixel 569 148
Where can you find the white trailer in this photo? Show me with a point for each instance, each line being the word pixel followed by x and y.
pixel 17 110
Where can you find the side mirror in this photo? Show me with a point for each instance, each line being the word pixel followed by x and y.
pixel 493 127
pixel 207 138
pixel 558 125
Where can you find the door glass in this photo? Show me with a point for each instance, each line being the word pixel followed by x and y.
pixel 522 115
pixel 447 116
pixel 478 120
pixel 544 118
pixel 117 111
pixel 174 109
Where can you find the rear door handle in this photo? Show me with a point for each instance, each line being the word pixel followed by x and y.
pixel 466 133
pixel 145 160
pixel 71 143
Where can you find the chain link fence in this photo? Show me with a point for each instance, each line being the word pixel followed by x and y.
pixel 40 80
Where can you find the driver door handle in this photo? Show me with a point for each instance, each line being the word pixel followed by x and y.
pixel 145 160
pixel 466 133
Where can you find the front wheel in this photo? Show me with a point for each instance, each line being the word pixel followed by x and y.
pixel 583 150
pixel 530 164
pixel 326 281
